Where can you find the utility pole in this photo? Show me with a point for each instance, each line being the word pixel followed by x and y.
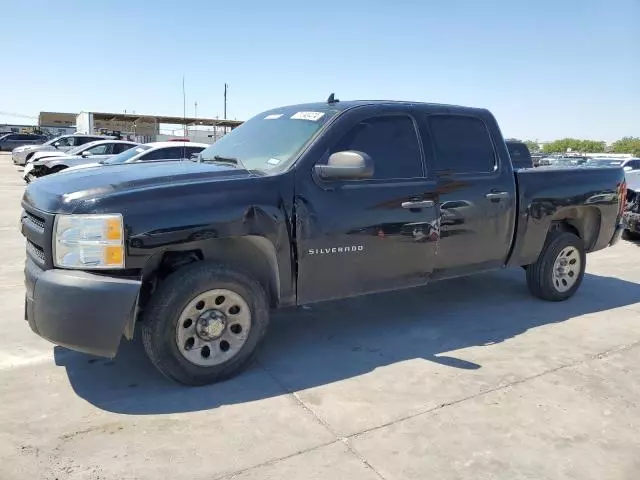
pixel 195 107
pixel 184 108
pixel 225 100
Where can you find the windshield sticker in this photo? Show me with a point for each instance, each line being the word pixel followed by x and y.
pixel 273 116
pixel 313 116
pixel 273 161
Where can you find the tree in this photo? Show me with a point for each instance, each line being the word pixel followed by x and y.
pixel 575 145
pixel 534 147
pixel 627 145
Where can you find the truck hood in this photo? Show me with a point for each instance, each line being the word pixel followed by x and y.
pixel 63 192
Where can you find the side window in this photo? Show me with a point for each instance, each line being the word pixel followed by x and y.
pixel 66 142
pixel 462 144
pixel 12 137
pixel 170 153
pixel 635 164
pixel 99 149
pixel 392 143
pixel 191 150
pixel 121 147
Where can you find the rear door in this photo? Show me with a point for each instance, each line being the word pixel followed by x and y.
pixel 476 189
pixel 362 236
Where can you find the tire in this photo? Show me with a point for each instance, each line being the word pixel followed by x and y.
pixel 163 325
pixel 540 275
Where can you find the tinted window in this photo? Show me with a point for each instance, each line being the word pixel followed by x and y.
pixel 390 141
pixel 520 156
pixel 121 147
pixel 168 153
pixel 462 144
pixel 191 150
pixel 83 140
pixel 635 164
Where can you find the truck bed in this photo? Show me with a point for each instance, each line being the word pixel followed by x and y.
pixel 586 199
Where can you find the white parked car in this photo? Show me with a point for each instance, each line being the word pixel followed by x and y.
pixel 151 152
pixel 46 163
pixel 20 155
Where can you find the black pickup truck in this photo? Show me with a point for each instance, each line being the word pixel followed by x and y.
pixel 300 204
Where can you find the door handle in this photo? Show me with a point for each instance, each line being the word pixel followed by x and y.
pixel 497 195
pixel 418 204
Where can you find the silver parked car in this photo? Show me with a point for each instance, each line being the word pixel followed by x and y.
pixel 14 140
pixel 46 163
pixel 20 155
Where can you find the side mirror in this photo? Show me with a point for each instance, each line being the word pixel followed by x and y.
pixel 627 168
pixel 56 144
pixel 347 165
pixel 196 157
pixel 86 154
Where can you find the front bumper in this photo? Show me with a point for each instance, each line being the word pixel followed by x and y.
pixel 631 221
pixel 82 311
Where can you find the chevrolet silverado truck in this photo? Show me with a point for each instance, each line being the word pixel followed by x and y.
pixel 300 204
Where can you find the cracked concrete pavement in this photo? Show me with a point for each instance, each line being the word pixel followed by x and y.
pixel 468 378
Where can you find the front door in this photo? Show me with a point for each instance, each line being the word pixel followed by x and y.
pixel 356 237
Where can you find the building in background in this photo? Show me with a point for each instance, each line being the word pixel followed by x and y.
pixel 55 124
pixel 140 128
pixel 150 128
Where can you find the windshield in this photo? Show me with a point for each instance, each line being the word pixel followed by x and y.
pixel 126 155
pixel 272 139
pixel 604 162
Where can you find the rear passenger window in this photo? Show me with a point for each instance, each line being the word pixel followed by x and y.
pixel 462 144
pixel 390 141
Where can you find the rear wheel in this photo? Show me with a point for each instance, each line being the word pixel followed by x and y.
pixel 204 323
pixel 558 272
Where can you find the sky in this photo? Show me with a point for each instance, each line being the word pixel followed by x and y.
pixel 547 69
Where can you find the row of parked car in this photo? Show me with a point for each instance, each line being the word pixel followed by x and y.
pixel 628 164
pixel 82 151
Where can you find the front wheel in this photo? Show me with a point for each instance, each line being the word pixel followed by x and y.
pixel 204 323
pixel 559 270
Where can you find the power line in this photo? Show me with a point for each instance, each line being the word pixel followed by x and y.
pixel 19 115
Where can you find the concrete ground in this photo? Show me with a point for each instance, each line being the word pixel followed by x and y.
pixel 469 378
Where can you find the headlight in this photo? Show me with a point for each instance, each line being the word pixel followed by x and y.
pixel 88 241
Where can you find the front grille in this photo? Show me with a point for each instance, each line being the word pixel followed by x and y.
pixel 34 219
pixel 37 227
pixel 36 250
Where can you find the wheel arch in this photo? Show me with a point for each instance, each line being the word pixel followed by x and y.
pixel 583 221
pixel 253 254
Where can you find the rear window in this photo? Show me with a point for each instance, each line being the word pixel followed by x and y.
pixel 462 144
pixel 519 153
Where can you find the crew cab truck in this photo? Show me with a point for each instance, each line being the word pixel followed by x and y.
pixel 300 204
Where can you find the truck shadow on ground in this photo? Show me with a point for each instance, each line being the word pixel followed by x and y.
pixel 338 340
